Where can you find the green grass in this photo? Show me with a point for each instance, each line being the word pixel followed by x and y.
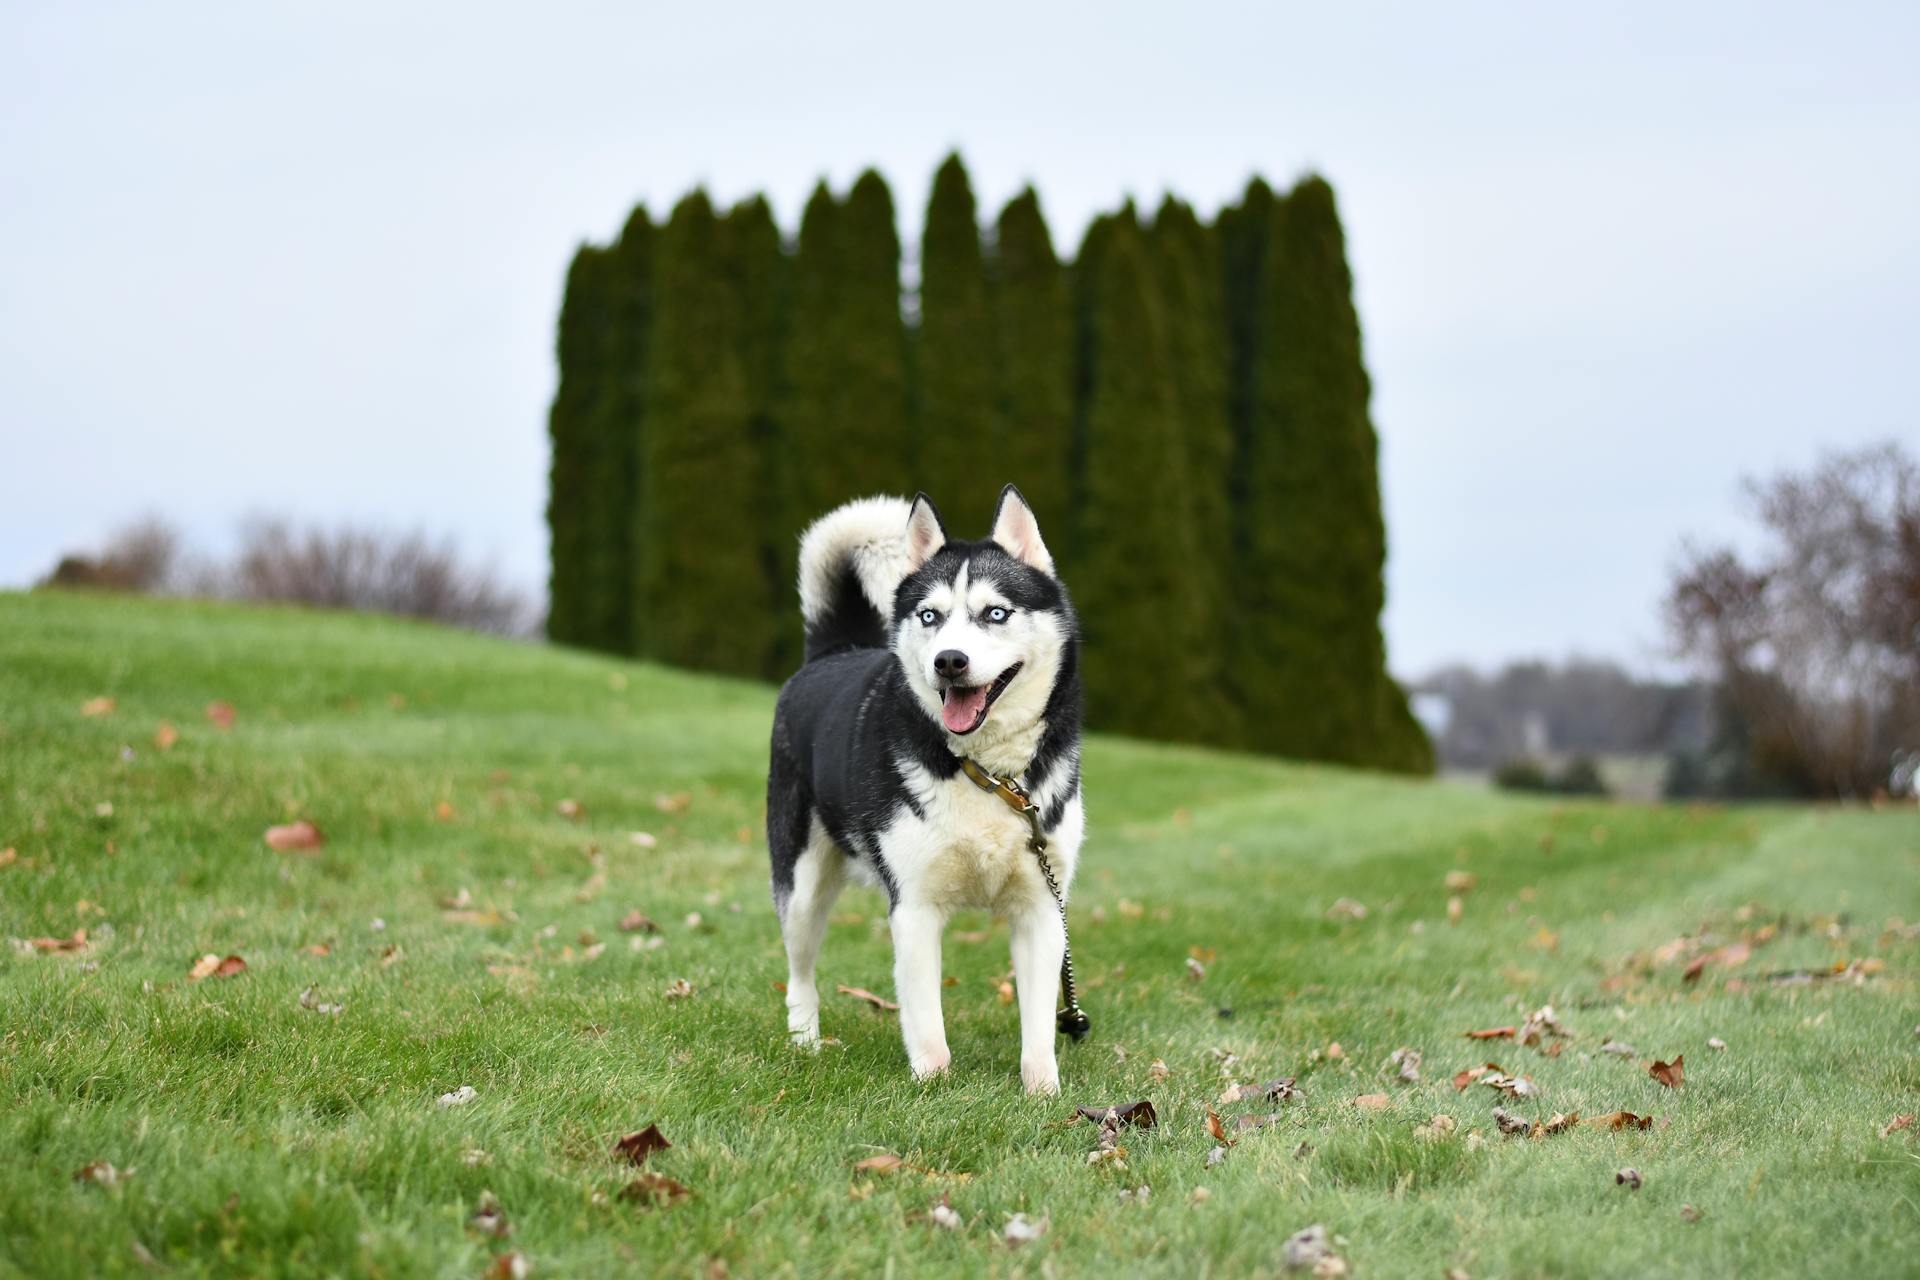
pixel 271 1140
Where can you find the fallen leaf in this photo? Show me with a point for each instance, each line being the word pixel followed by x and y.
pixel 73 942
pixel 1347 909
pixel 1281 1090
pixel 1455 910
pixel 443 811
pixel 459 1097
pixel 165 736
pixel 1690 1214
pixel 1460 881
pixel 1559 1124
pixel 1512 1086
pixel 1896 1124
pixel 482 919
pixel 8 856
pixel 391 955
pixel 637 1146
pixel 1510 1124
pixel 1215 1156
pixel 1619 1050
pixel 488 1219
pixel 1671 1074
pixel 1137 1115
pixel 1466 1077
pixel 637 922
pixel 1617 1120
pixel 1217 1129
pixel 97 707
pixel 1493 1033
pixel 220 715
pixel 677 802
pixel 861 993
pixel 295 836
pixel 1628 1178
pixel 679 989
pixel 1716 1043
pixel 101 1173
pixel 1407 1061
pixel 885 1162
pixel 1005 992
pixel 1248 1123
pixel 654 1188
pixel 1158 1071
pixel 212 966
pixel 1205 955
pixel 943 1216
pixel 1306 1247
pixel 1020 1230
pixel 1436 1129
pixel 310 1000
pixel 1540 1023
pixel 1331 1267
pixel 510 1266
pixel 1195 970
pixel 1373 1101
pixel 1335 1052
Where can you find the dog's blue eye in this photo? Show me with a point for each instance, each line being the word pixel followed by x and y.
pixel 998 614
pixel 928 617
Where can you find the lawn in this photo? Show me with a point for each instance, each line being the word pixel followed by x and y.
pixel 479 801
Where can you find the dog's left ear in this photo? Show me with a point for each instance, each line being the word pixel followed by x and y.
pixel 1017 531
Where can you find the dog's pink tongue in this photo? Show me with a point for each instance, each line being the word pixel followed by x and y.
pixel 962 707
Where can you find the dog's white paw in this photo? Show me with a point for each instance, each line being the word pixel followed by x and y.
pixel 1040 1076
pixel 929 1063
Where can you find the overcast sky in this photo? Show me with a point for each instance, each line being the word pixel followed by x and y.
pixel 305 259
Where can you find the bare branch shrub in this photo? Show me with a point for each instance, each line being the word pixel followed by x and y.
pixel 143 556
pixel 1816 644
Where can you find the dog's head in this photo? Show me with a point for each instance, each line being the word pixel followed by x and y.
pixel 984 629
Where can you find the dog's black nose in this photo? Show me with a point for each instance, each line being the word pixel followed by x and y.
pixel 950 663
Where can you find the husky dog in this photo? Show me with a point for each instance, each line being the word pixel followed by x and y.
pixel 921 651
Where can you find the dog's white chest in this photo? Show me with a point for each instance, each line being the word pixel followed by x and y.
pixel 969 850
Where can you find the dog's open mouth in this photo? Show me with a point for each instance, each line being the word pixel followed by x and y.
pixel 964 709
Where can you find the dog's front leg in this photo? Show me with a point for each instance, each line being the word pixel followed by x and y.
pixel 1039 941
pixel 916 979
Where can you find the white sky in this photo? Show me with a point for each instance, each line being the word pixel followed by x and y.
pixel 305 259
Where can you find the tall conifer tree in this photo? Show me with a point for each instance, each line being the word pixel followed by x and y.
pixel 1139 598
pixel 617 431
pixel 585 329
pixel 1033 315
pixel 705 598
pixel 961 458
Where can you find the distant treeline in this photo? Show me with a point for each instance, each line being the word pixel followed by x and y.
pixel 1184 404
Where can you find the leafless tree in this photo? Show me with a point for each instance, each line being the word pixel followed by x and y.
pixel 1816 642
pixel 143 556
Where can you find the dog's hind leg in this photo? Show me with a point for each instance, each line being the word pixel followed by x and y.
pixel 819 873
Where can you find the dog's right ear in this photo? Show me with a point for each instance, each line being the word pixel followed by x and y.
pixel 925 534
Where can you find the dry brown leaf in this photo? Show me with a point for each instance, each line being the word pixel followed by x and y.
pixel 861 993
pixel 510 1266
pixel 1617 1120
pixel 97 707
pixel 1510 1124
pixel 101 1173
pixel 679 989
pixel 73 942
pixel 1138 1115
pixel 1559 1124
pixel 1436 1129
pixel 1466 1077
pixel 319 949
pixel 220 715
pixel 637 922
pixel 443 811
pixel 1217 1129
pixel 1005 992
pixel 1460 881
pixel 1455 910
pixel 1671 1074
pixel 570 808
pixel 654 1189
pixel 1896 1124
pixel 885 1162
pixel 1731 956
pixel 1512 1086
pixel 1406 1063
pixel 1347 909
pixel 1195 970
pixel 295 837
pixel 1373 1101
pixel 310 1000
pixel 1628 1178
pixel 676 802
pixel 1493 1033
pixel 489 1219
pixel 1158 1071
pixel 637 1146
pixel 212 966
pixel 484 919
pixel 1281 1090
pixel 165 736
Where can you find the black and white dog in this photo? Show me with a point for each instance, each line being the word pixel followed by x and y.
pixel 922 651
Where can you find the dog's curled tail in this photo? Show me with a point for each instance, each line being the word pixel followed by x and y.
pixel 851 560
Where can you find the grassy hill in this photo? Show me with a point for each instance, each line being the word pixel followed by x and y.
pixel 478 799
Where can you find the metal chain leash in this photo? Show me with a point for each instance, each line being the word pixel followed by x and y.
pixel 1071 1020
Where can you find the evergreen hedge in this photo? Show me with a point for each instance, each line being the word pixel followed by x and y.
pixel 1186 405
